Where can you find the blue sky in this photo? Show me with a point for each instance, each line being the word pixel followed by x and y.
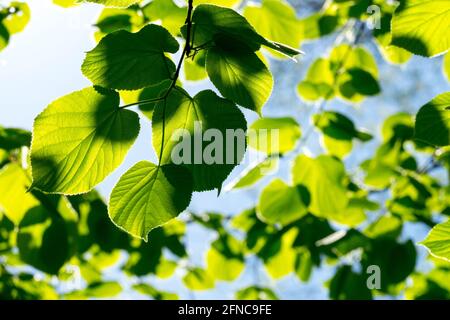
pixel 43 63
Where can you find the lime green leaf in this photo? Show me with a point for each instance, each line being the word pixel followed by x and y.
pixel 14 200
pixel 317 25
pixel 386 226
pixel 17 21
pixel 223 3
pixel 224 259
pixel 280 203
pixel 79 139
pixel 148 196
pixel 433 121
pixel 130 61
pixel 166 11
pixel 151 93
pixel 198 279
pixel 221 25
pixel 194 69
pixel 274 135
pixel 275 20
pixel 188 123
pixel 421 27
pixel 282 263
pixel 324 178
pixel 148 290
pixel 114 19
pixel 254 174
pixel 256 293
pixel 319 81
pixel 115 3
pixel 240 76
pixel 438 241
pixel 66 3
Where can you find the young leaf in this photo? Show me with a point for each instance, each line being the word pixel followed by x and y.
pixel 275 20
pixel 433 121
pixel 147 196
pixel 274 135
pixel 324 178
pixel 199 133
pixel 115 3
pixel 421 27
pixel 438 241
pixel 214 24
pixel 131 61
pixel 280 203
pixel 240 76
pixel 254 174
pixel 15 202
pixel 79 139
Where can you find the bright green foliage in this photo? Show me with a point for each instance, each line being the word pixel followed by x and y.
pixel 438 241
pixel 342 219
pixel 255 173
pixel 256 293
pixel 14 200
pixel 433 121
pixel 147 196
pixel 225 259
pixel 280 203
pixel 324 177
pixel 209 160
pixel 275 20
pixel 80 139
pixel 66 3
pixel 274 135
pixel 338 132
pixel 350 73
pixel 13 19
pixel 240 76
pixel 198 279
pixel 421 27
pixel 115 3
pixel 130 61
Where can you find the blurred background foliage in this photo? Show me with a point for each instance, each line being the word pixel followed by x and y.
pixel 368 191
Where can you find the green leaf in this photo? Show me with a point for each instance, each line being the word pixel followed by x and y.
pixel 274 135
pixel 4 37
pixel 224 259
pixel 216 24
pixel 196 134
pixel 317 25
pixel 149 93
pixel 275 20
pixel 167 12
pixel 433 121
pixel 348 285
pixel 421 27
pixel 14 200
pixel 66 3
pixel 198 279
pixel 148 196
pixel 254 174
pixel 43 240
pixel 280 203
pixel 130 61
pixel 17 21
pixel 11 138
pixel 79 139
pixel 256 293
pixel 438 241
pixel 240 76
pixel 115 3
pixel 148 290
pixel 324 178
